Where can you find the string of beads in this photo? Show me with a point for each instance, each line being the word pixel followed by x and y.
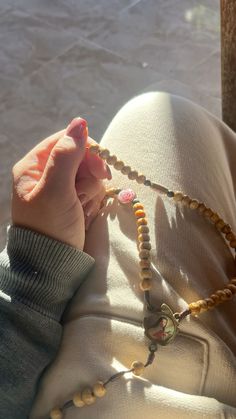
pixel 88 395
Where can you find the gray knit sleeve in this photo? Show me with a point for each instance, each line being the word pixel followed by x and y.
pixel 38 277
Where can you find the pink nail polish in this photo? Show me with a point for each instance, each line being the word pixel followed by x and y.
pixel 77 129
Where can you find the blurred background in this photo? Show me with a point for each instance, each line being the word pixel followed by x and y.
pixel 65 58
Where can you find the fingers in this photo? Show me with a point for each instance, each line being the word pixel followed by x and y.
pixel 92 208
pixel 93 165
pixel 88 188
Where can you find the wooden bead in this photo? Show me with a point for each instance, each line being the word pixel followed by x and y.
pixel 215 218
pixel 143 229
pixel 145 245
pixel 145 263
pixel 87 396
pixel 233 244
pixel 215 298
pixel 104 153
pixel 178 196
pixel 202 304
pixel 208 213
pixel 194 308
pixel 232 288
pixel 194 204
pixel 139 214
pixel 125 170
pixel 221 294
pixel 77 400
pixel 94 148
pixel 118 165
pixel 141 179
pixel 133 175
pixel 226 229
pixel 138 206
pixel 144 254
pixel 230 236
pixel 56 413
pixel 220 224
pixel 201 208
pixel 144 237
pixel 99 390
pixel 138 367
pixel 111 160
pixel 210 302
pixel 141 221
pixel 146 284
pixel 228 294
pixel 146 273
pixel 233 281
pixel 186 200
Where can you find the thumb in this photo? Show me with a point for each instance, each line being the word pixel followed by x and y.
pixel 66 157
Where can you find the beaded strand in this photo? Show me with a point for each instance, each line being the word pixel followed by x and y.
pixel 88 395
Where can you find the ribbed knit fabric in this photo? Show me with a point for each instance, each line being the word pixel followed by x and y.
pixel 182 146
pixel 38 276
pixel 40 272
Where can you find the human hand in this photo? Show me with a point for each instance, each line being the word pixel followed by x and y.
pixel 57 186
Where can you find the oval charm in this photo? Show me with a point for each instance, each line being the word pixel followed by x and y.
pixel 161 327
pixel 126 196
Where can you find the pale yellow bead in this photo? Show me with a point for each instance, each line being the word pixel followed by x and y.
pixel 141 222
pixel 207 213
pixel 228 294
pixel 186 200
pixel 178 196
pixel 145 245
pixel 56 413
pixel 77 400
pixel 94 148
pixel 145 263
pixel 146 284
pixel 138 206
pixel 194 204
pixel 133 175
pixel 232 288
pixel 141 178
pixel 194 308
pixel 138 367
pixel 202 304
pixel 230 236
pixel 126 170
pixel 220 224
pixel 226 229
pixel 144 254
pixel 145 273
pixel 87 396
pixel 215 218
pixel 99 390
pixel 144 237
pixel 143 229
pixel 111 160
pixel 201 208
pixel 104 153
pixel 119 165
pixel 215 298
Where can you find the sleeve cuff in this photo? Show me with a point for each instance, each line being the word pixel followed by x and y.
pixel 41 272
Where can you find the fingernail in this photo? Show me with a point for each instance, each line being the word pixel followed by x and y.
pixel 108 170
pixel 77 129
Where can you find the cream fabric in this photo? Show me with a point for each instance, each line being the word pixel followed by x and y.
pixel 182 146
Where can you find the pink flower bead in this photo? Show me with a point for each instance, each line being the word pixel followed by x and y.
pixel 126 196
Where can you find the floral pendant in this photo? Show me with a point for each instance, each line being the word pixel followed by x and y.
pixel 161 327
